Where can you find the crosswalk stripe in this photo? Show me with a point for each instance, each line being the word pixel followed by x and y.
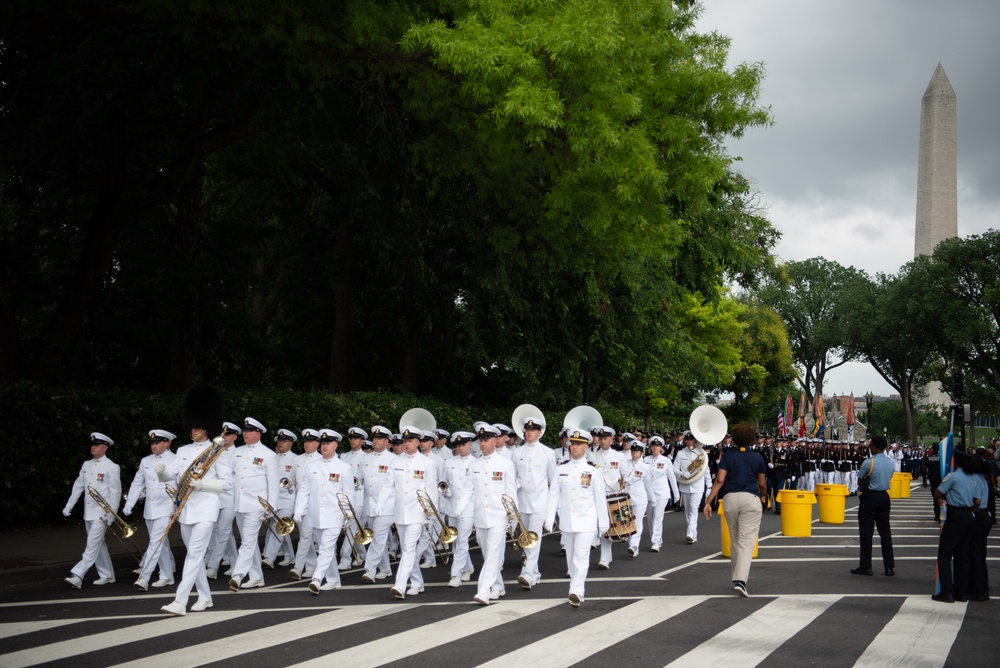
pixel 20 628
pixel 243 643
pixel 429 636
pixel 579 642
pixel 920 634
pixel 99 641
pixel 750 641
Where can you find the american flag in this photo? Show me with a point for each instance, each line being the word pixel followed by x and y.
pixel 782 431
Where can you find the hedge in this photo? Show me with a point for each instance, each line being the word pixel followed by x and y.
pixel 46 430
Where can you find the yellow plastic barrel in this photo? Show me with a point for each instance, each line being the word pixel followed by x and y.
pixel 796 516
pixel 904 489
pixel 896 486
pixel 832 501
pixel 725 537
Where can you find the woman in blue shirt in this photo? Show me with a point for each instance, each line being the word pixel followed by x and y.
pixel 957 491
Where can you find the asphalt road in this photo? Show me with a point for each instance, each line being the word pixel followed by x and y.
pixel 675 607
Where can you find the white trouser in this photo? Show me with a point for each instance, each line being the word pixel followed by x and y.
pixel 408 570
pixel 460 560
pixel 223 544
pixel 248 560
pixel 377 556
pixel 492 541
pixel 639 511
pixel 272 545
pixel 158 553
pixel 656 511
pixel 691 503
pixel 578 559
pixel 533 522
pixel 326 565
pixel 196 539
pixel 305 556
pixel 346 553
pixel 425 548
pixel 96 552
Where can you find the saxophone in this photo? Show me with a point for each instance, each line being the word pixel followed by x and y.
pixel 198 468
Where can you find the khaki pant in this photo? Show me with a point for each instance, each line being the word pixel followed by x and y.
pixel 743 512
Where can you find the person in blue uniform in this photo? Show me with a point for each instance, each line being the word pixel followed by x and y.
pixel 873 508
pixel 956 493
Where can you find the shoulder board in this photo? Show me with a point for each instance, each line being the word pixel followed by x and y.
pixel 593 464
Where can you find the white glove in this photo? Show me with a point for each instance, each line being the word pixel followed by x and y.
pixel 297 519
pixel 378 510
pixel 212 486
pixel 547 528
pixel 107 519
pixel 197 484
pixel 161 472
pixel 126 511
pixel 66 512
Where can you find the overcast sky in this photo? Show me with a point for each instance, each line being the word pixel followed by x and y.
pixel 838 169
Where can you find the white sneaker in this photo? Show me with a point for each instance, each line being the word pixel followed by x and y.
pixel 137 571
pixel 482 600
pixel 603 565
pixel 524 582
pixel 75 581
pixel 632 553
pixel 234 584
pixel 200 605
pixel 294 574
pixel 497 593
pixel 306 575
pixel 382 575
pixel 225 562
pixel 655 547
pixel 467 575
pixel 343 566
pixel 229 571
pixel 314 588
pixel 142 583
pixel 251 584
pixel 162 582
pixel 413 591
pixel 357 562
pixel 575 600
pixel 427 563
pixel 174 608
pixel 330 585
pixel 105 581
pixel 397 593
pixel 368 578
pixel 689 539
pixel 266 563
pixel 455 581
pixel 211 574
pixel 286 562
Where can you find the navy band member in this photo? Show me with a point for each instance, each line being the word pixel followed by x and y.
pixel 535 464
pixel 380 504
pixel 306 550
pixel 459 491
pixel 492 477
pixel 104 476
pixel 286 500
pixel 255 474
pixel 411 471
pixel 222 547
pixel 157 509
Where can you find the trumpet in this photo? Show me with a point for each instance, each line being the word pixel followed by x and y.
pixel 124 528
pixel 363 535
pixel 443 534
pixel 443 486
pixel 286 483
pixel 524 539
pixel 282 525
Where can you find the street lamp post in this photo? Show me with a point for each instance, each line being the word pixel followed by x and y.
pixel 868 413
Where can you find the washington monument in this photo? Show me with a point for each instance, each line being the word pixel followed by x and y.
pixel 937 179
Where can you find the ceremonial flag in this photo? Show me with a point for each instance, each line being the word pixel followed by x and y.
pixel 818 421
pixel 834 418
pixel 781 425
pixel 789 412
pixel 802 415
pixel 850 419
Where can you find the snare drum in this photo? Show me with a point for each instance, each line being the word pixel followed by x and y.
pixel 622 519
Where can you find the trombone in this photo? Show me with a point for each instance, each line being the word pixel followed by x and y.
pixel 125 529
pixel 363 535
pixel 282 525
pixel 443 534
pixel 524 539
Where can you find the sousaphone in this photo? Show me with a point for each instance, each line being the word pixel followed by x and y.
pixel 523 411
pixel 421 418
pixel 708 425
pixel 583 418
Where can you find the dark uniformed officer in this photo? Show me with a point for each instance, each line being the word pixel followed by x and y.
pixel 873 509
pixel 957 493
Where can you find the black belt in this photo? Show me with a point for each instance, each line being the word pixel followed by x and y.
pixel 964 508
pixel 884 491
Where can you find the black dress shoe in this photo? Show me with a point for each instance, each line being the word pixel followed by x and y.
pixel 979 597
pixel 943 598
pixel 962 599
pixel 861 571
pixel 890 572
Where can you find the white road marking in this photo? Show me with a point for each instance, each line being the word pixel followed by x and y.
pixel 919 635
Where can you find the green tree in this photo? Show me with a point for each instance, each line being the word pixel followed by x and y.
pixel 766 374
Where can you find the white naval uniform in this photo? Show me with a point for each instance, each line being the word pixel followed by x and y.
pixel 156 511
pixel 197 519
pixel 317 499
pixel 639 485
pixel 223 543
pixel 305 552
pixel 492 477
pixel 425 547
pixel 353 458
pixel 379 508
pixel 411 473
pixel 578 498
pixel 255 474
pixel 458 475
pixel 661 473
pixel 694 493
pixel 285 507
pixel 105 477
pixel 609 462
pixel 535 465
pixel 444 452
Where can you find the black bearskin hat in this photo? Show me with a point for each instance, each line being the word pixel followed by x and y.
pixel 203 408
